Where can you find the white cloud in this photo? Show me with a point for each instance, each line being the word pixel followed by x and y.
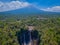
pixel 13 5
pixel 52 9
pixel 7 6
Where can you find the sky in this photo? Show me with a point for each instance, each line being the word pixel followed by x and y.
pixel 45 5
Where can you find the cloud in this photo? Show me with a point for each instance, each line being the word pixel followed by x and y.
pixel 13 5
pixel 7 6
pixel 52 9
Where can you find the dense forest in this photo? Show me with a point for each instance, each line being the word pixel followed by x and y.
pixel 48 28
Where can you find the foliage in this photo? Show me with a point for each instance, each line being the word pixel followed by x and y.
pixel 48 28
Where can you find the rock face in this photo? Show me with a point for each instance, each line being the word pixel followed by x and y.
pixel 27 37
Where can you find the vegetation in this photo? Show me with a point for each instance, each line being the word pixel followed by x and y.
pixel 48 28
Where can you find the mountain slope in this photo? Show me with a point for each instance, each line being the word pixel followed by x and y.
pixel 29 10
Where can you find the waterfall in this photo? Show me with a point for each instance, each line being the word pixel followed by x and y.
pixel 27 37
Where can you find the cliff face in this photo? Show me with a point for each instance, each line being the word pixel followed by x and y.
pixel 27 37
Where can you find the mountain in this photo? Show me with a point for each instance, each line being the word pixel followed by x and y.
pixel 29 10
